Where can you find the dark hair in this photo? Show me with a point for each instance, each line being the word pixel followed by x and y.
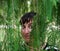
pixel 27 17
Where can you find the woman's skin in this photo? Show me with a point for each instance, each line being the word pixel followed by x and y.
pixel 26 29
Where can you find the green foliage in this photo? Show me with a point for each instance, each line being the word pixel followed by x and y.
pixel 48 16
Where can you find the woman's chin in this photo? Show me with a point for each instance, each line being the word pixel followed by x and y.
pixel 27 40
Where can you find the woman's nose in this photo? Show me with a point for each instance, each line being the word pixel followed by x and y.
pixel 28 30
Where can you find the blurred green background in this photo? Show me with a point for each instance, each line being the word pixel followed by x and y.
pixel 46 25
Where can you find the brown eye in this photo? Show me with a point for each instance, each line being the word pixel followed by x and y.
pixel 30 26
pixel 23 27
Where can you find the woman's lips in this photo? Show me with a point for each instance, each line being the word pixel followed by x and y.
pixel 27 36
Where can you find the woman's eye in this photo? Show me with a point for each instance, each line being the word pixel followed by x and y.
pixel 30 26
pixel 23 27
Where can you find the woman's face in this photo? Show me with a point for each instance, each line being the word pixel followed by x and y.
pixel 26 29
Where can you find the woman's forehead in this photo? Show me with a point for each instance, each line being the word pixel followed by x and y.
pixel 27 23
